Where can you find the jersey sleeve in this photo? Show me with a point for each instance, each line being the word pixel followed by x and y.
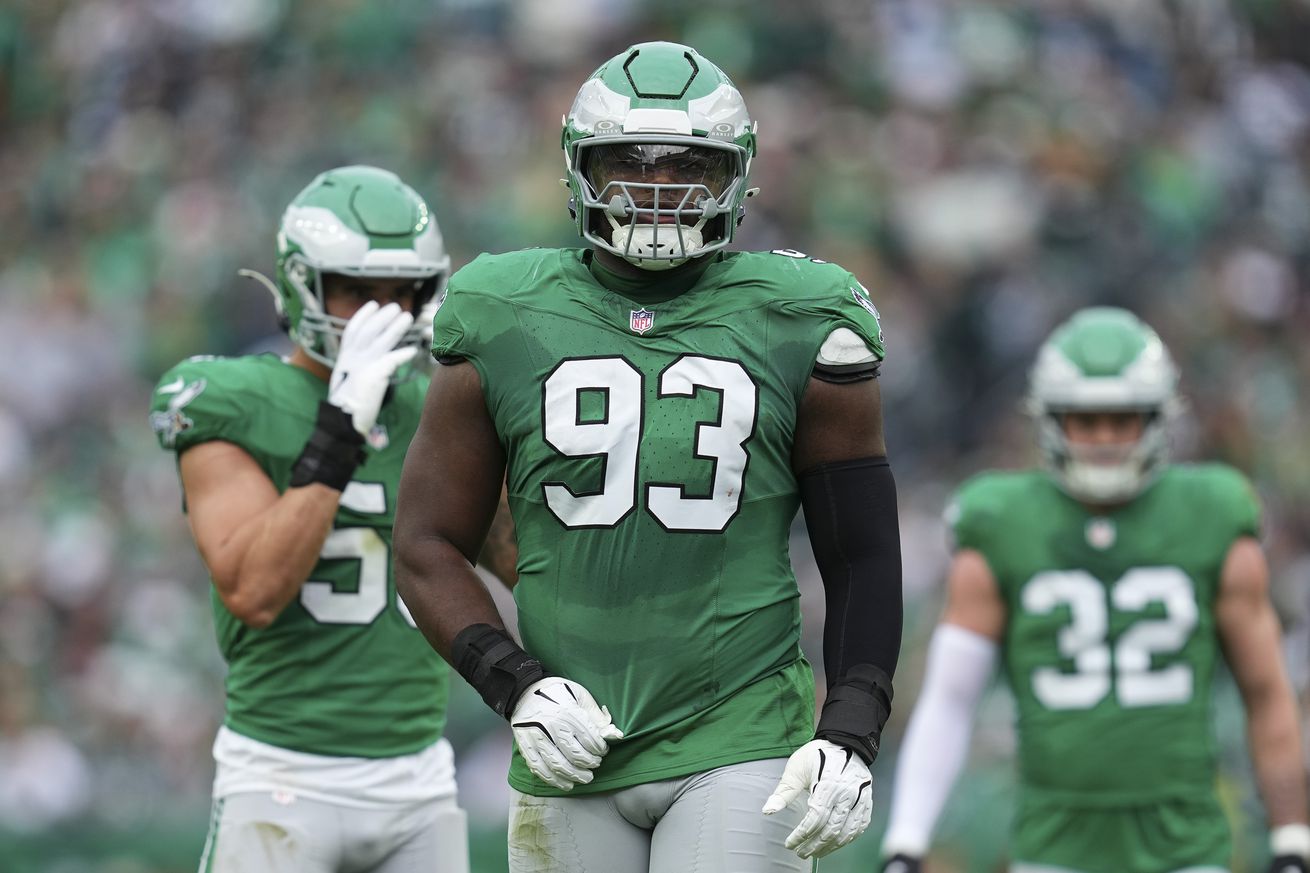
pixel 1235 500
pixel 450 334
pixel 474 314
pixel 837 299
pixel 190 406
pixel 861 316
pixel 970 516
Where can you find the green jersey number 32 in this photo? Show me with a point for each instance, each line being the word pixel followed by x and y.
pixel 616 437
pixel 1125 670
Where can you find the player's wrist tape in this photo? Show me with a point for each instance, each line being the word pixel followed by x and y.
pixel 856 709
pixel 333 451
pixel 489 660
pixel 1290 839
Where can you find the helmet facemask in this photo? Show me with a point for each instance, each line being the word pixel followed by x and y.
pixel 1104 474
pixel 1103 360
pixel 659 203
pixel 319 333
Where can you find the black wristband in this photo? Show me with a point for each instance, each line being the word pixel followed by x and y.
pixel 489 660
pixel 333 451
pixel 856 709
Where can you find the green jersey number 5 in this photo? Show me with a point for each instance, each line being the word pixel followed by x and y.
pixel 366 548
pixel 616 437
pixel 1124 668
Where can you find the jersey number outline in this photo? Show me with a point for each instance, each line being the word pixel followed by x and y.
pixel 365 546
pixel 1124 668
pixel 616 438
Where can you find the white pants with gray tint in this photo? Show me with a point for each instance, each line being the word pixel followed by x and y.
pixel 705 822
pixel 275 832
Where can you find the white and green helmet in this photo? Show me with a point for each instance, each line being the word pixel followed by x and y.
pixel 1103 359
pixel 356 221
pixel 658 109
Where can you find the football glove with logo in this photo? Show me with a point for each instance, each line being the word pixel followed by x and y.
pixel 561 732
pixel 366 361
pixel 840 790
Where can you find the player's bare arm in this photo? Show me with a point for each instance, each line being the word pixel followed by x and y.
pixel 500 552
pixel 973 600
pixel 1249 632
pixel 259 546
pixel 449 490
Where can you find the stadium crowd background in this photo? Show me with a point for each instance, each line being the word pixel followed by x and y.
pixel 984 168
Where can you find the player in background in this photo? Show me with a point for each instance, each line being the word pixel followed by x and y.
pixel 1109 583
pixel 663 406
pixel 331 756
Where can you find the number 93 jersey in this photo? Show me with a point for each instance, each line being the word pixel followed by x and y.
pixel 1110 643
pixel 342 670
pixel 648 448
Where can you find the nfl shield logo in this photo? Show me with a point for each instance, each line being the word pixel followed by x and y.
pixel 642 320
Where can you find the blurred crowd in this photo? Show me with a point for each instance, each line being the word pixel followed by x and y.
pixel 984 168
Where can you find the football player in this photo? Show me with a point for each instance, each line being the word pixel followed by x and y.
pixel 663 406
pixel 331 755
pixel 1109 584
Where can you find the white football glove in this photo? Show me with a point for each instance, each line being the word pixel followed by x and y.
pixel 561 733
pixel 840 790
pixel 366 359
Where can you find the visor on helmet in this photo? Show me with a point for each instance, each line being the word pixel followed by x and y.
pixel 642 166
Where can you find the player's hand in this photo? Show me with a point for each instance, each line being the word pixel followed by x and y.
pixel 840 790
pixel 1288 864
pixel 561 733
pixel 366 360
pixel 902 864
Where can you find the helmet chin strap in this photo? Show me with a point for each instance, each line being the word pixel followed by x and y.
pixel 637 242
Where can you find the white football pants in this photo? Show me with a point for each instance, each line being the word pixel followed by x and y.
pixel 258 831
pixel 707 821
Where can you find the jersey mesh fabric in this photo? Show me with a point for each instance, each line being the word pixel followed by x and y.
pixel 673 601
pixel 341 671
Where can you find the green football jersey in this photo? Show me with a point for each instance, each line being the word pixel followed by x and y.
pixel 1110 648
pixel 342 671
pixel 648 449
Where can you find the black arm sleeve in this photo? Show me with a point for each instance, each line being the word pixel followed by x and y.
pixel 850 510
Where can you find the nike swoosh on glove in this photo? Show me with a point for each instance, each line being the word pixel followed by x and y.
pixel 366 359
pixel 840 790
pixel 561 732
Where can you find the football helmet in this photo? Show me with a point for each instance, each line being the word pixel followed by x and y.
pixel 1103 359
pixel 357 221
pixel 657 146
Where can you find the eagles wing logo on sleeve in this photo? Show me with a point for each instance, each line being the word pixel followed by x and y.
pixel 172 421
pixel 861 296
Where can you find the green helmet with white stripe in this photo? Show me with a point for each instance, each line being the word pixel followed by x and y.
pixel 356 221
pixel 658 145
pixel 1103 359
